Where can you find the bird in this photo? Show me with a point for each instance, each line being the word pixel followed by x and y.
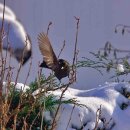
pixel 15 40
pixel 60 67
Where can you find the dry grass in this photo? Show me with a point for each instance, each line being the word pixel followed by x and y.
pixel 19 110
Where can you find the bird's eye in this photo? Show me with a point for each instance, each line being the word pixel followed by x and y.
pixel 62 67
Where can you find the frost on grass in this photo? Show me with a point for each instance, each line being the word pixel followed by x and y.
pixel 112 99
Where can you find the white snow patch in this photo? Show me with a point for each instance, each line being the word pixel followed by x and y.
pixel 8 11
pixel 109 97
pixel 18 87
pixel 15 38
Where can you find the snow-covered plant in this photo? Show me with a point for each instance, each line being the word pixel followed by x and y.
pixel 110 59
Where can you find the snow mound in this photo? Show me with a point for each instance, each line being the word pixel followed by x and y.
pixel 18 87
pixel 104 108
pixel 8 11
pixel 108 105
pixel 15 38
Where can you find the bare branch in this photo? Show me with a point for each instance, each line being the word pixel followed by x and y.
pixel 62 49
pixel 48 28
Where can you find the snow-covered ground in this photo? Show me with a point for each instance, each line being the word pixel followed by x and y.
pixel 104 108
pixel 110 100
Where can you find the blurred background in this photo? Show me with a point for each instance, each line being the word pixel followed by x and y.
pixel 97 23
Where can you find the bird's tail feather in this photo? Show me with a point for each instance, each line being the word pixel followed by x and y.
pixel 43 64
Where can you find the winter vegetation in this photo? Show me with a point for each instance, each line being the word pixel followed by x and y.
pixel 49 104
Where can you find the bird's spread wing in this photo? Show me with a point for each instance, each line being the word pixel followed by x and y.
pixel 47 51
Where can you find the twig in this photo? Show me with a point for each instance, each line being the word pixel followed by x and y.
pixel 71 80
pixel 54 120
pixel 124 27
pixel 42 115
pixel 70 116
pixel 28 71
pixel 39 74
pixel 115 49
pixel 34 120
pixel 21 63
pixel 2 74
pixel 75 51
pixel 1 37
pixel 62 49
pixel 5 59
pixel 98 115
pixel 81 121
pixel 48 27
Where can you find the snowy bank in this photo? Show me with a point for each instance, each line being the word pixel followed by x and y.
pixel 104 108
pixel 112 101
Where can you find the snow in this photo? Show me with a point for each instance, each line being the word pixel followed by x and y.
pixel 120 68
pixel 108 96
pixel 108 104
pixel 17 38
pixel 8 11
pixel 18 87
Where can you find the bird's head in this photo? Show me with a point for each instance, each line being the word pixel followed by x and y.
pixel 62 69
pixel 63 64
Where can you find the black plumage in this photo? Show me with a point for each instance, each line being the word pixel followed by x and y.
pixel 59 66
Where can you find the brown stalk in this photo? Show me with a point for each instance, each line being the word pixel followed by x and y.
pixel 1 37
pixel 70 116
pixel 72 76
pixel 40 71
pixel 98 115
pixel 62 49
pixel 28 72
pixel 2 126
pixel 20 65
pixel 6 55
pixel 34 121
pixel 48 27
